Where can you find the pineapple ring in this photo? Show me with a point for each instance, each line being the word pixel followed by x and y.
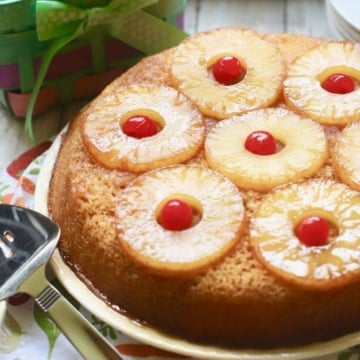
pixel 345 163
pixel 260 86
pixel 182 128
pixel 274 241
pixel 304 148
pixel 304 94
pixel 179 252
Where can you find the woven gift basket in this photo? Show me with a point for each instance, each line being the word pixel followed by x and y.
pixel 55 51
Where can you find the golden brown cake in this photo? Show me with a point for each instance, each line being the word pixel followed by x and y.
pixel 247 269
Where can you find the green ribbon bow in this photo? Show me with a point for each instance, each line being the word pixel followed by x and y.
pixel 125 20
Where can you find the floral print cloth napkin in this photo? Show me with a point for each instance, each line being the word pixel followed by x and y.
pixel 25 330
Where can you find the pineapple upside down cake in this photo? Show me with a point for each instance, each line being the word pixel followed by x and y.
pixel 212 191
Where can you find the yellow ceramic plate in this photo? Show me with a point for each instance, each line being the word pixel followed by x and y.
pixel 147 334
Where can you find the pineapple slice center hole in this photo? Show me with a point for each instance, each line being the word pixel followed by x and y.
pixel 149 113
pixel 354 74
pixel 188 199
pixel 279 144
pixel 210 63
pixel 329 217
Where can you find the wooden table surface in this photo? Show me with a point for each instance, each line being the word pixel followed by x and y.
pixel 300 16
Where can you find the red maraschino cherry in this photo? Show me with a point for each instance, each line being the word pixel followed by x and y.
pixel 339 84
pixel 139 126
pixel 260 143
pixel 176 215
pixel 313 231
pixel 228 70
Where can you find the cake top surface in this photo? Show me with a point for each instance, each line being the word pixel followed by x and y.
pixel 261 110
